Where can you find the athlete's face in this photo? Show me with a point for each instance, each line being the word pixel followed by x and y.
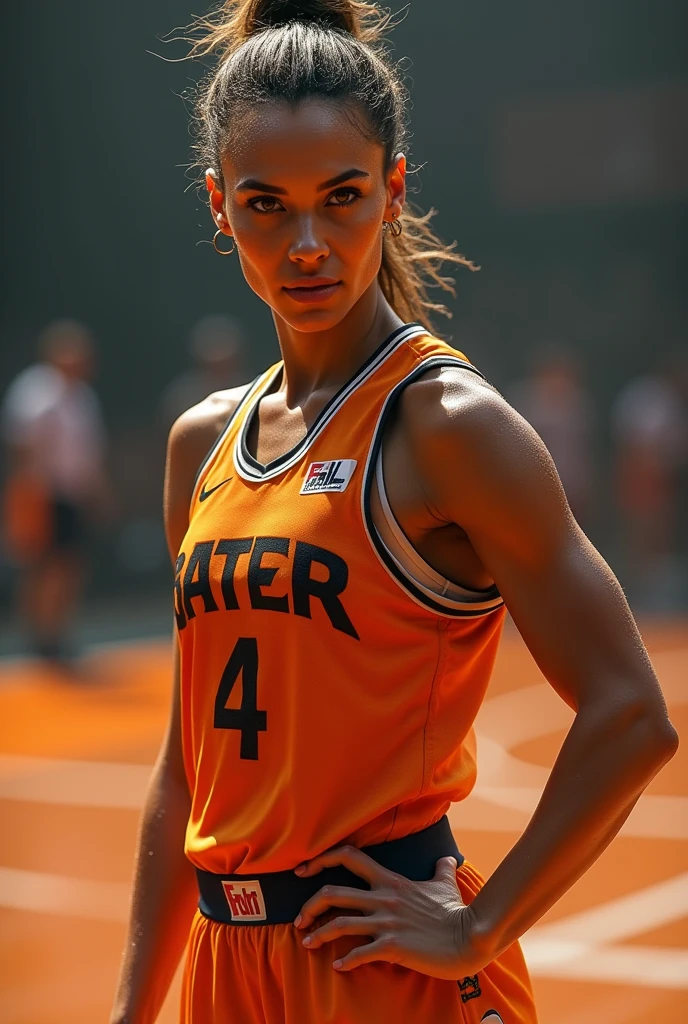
pixel 304 194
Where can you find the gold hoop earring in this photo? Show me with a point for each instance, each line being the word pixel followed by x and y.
pixel 222 252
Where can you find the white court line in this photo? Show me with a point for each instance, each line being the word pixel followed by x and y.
pixel 547 955
pixel 578 946
pixel 489 808
pixel 533 711
pixel 648 966
pixel 69 897
pixel 655 816
pixel 511 785
pixel 74 783
pixel 504 799
pixel 624 917
pixel 567 948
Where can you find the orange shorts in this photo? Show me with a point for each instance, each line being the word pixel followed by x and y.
pixel 263 975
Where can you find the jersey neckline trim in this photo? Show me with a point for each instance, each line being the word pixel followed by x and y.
pixel 250 469
pixel 473 603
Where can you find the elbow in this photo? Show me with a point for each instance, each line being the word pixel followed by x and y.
pixel 638 729
pixel 656 734
pixel 666 741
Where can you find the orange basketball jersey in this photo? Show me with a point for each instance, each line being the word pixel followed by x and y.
pixel 328 688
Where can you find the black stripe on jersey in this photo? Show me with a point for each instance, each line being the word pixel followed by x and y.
pixel 250 388
pixel 250 469
pixel 480 596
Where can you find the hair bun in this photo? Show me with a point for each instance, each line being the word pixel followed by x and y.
pixel 235 21
pixel 365 21
pixel 341 14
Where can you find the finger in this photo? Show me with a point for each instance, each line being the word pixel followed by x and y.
pixel 349 857
pixel 445 870
pixel 334 896
pixel 342 926
pixel 368 954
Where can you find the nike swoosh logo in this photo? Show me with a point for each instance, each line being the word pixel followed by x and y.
pixel 206 494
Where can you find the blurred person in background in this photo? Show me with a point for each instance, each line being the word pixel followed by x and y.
pixel 650 435
pixel 216 346
pixel 555 402
pixel 54 440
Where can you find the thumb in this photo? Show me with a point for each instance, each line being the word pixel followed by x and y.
pixel 445 870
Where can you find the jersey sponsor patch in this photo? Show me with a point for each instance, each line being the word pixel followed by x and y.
pixel 328 476
pixel 245 901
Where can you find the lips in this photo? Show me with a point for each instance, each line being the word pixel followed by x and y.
pixel 312 289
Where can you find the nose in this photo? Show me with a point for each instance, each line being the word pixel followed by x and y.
pixel 308 246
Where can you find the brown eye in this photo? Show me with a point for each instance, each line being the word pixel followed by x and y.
pixel 343 197
pixel 265 204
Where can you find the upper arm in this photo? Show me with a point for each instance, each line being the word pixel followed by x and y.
pixel 483 467
pixel 190 439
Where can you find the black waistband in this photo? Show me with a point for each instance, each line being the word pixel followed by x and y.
pixel 277 897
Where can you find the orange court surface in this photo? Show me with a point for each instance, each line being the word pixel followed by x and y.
pixel 74 761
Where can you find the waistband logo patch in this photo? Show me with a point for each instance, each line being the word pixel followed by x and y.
pixel 245 901
pixel 328 476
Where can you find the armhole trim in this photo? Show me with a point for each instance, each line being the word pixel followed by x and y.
pixel 405 565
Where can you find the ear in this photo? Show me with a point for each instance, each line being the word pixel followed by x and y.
pixel 396 188
pixel 216 198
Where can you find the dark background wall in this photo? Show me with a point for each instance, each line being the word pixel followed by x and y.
pixel 97 223
pixel 553 144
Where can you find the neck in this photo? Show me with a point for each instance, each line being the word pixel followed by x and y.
pixel 319 360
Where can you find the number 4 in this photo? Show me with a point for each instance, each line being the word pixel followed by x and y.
pixel 247 719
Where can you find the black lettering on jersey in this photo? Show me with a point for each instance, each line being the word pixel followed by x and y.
pixel 327 592
pixel 178 594
pixel 200 587
pixel 231 549
pixel 259 576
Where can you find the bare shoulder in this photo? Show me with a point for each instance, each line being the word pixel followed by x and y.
pixel 192 436
pixel 194 432
pixel 474 454
pixel 454 405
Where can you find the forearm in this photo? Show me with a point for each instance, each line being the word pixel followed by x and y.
pixel 605 763
pixel 163 903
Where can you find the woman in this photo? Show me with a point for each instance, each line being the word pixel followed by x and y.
pixel 361 515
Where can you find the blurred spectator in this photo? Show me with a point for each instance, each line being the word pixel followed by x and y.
pixel 216 346
pixel 555 402
pixel 52 431
pixel 650 432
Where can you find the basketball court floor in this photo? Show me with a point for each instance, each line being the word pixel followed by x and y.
pixel 74 761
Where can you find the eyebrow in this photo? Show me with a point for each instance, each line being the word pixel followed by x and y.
pixel 253 185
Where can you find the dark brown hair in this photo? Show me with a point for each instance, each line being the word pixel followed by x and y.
pixel 293 49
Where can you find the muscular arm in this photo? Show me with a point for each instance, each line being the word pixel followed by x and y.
pixel 482 467
pixel 165 894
